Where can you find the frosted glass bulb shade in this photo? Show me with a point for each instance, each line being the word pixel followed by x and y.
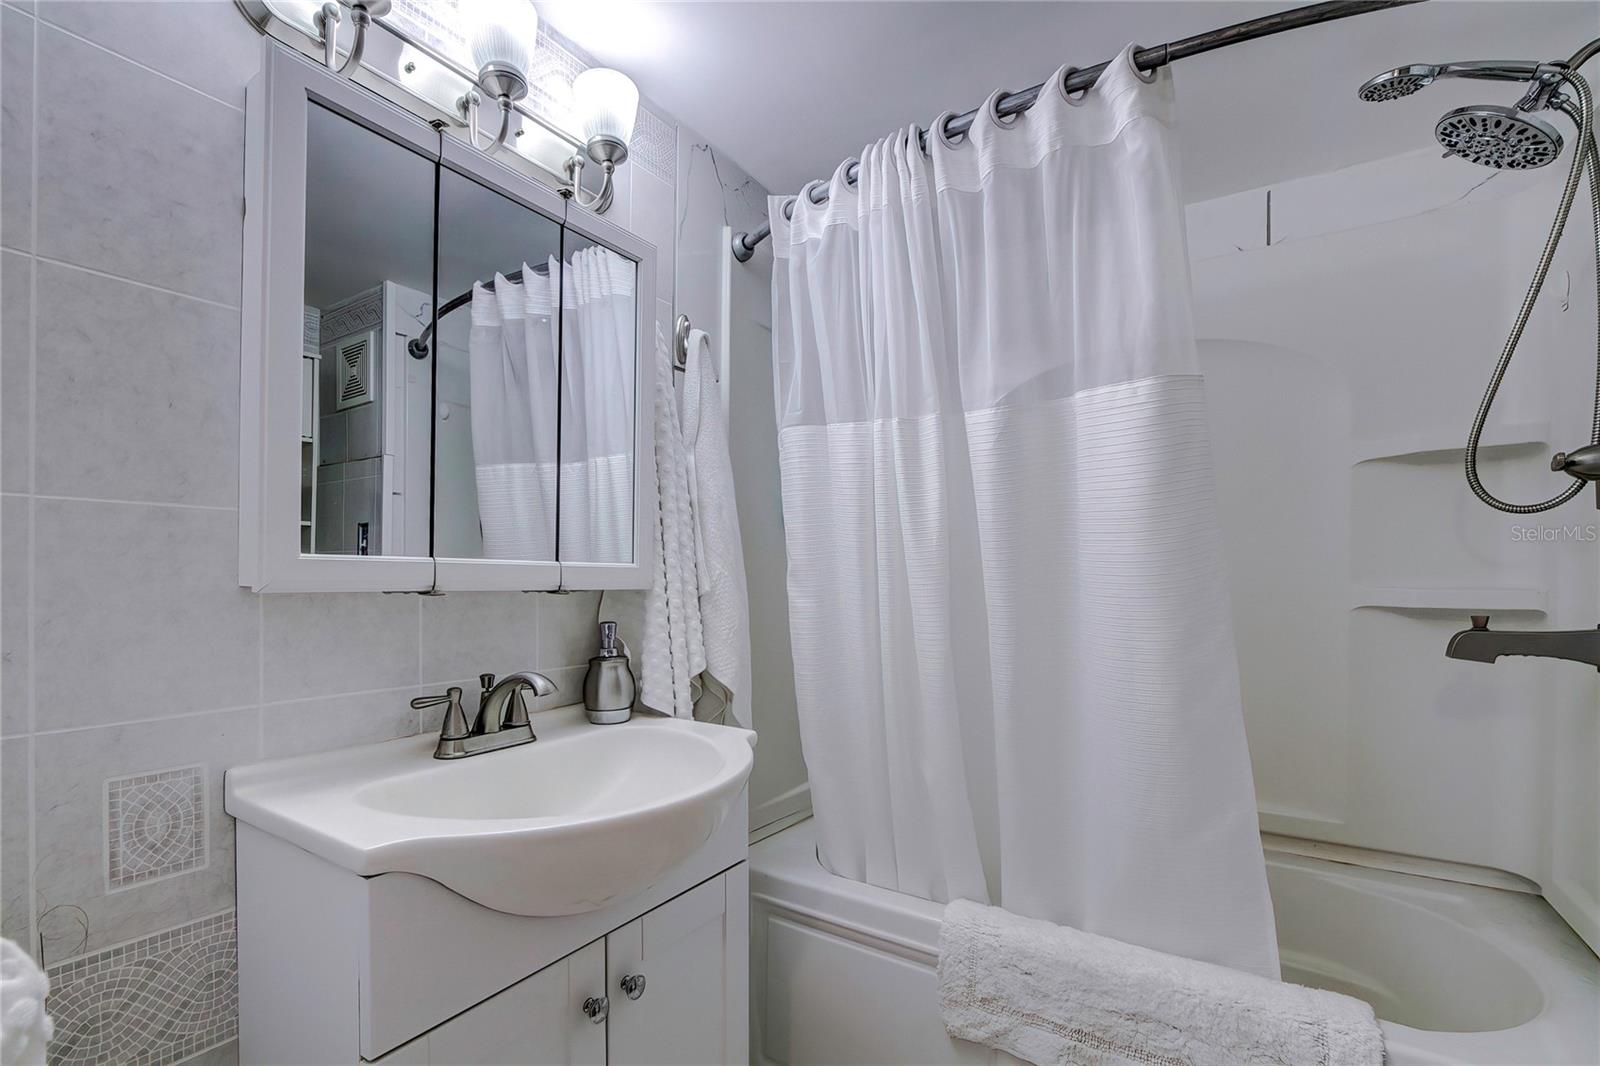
pixel 607 103
pixel 501 33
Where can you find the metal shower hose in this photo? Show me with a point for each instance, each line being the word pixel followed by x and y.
pixel 1585 155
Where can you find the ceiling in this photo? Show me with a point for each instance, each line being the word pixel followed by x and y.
pixel 788 89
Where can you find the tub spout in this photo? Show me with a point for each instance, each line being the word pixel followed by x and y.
pixel 1483 645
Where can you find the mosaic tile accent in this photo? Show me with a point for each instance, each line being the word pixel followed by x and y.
pixel 151 1002
pixel 654 146
pixel 155 825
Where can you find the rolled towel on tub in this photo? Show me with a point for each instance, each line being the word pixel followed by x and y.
pixel 1049 994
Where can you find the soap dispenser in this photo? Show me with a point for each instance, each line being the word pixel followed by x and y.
pixel 608 687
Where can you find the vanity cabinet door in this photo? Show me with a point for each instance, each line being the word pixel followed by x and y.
pixel 538 1021
pixel 691 1006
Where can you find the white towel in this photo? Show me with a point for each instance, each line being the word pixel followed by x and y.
pixel 25 1028
pixel 672 647
pixel 719 556
pixel 1049 994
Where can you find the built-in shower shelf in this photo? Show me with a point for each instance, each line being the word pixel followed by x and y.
pixel 1455 598
pixel 1422 444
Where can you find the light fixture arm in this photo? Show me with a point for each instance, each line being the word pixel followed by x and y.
pixel 362 12
pixel 599 202
pixel 469 104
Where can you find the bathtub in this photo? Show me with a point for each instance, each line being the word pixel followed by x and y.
pixel 843 972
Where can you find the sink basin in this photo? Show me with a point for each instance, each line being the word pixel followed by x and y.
pixel 581 818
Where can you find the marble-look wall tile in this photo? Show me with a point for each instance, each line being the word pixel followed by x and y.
pixel 16 370
pixel 16 916
pixel 138 613
pixel 568 634
pixel 15 578
pixel 161 999
pixel 466 634
pixel 302 726
pixel 70 789
pixel 164 36
pixel 321 644
pixel 713 192
pixel 16 129
pixel 171 211
pixel 131 398
pixel 652 214
pixel 569 690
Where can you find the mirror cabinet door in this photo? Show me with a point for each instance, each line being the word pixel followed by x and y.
pixel 599 398
pixel 365 405
pixel 497 373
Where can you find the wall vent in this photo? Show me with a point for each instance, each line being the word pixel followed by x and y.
pixel 354 369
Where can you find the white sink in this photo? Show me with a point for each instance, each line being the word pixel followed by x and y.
pixel 584 816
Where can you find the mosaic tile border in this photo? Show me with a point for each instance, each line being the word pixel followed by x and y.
pixel 654 146
pixel 150 1002
pixel 155 825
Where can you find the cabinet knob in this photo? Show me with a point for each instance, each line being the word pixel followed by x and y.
pixel 633 985
pixel 597 1008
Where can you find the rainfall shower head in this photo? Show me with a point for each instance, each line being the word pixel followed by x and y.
pixel 1393 84
pixel 1504 138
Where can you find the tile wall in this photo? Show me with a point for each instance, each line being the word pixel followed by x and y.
pixel 133 669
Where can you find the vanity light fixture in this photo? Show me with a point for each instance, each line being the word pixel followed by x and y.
pixel 327 19
pixel 501 36
pixel 607 104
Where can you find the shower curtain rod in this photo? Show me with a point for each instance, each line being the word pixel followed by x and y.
pixel 744 244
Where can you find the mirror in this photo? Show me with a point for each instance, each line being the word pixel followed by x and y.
pixel 497 376
pixel 365 405
pixel 441 362
pixel 598 402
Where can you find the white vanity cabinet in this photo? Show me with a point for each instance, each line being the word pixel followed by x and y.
pixel 666 988
pixel 540 1019
pixel 335 967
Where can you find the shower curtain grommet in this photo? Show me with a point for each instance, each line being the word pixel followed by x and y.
pixel 1146 76
pixel 1066 71
pixel 940 131
pixel 991 107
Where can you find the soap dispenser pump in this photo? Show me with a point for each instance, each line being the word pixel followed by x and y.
pixel 608 687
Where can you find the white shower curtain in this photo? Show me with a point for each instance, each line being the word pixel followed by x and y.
pixel 1012 645
pixel 597 354
pixel 512 355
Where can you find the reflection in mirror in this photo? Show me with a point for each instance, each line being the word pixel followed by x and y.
pixel 597 403
pixel 495 433
pixel 364 427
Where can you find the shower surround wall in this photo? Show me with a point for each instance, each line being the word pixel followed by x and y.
pixel 1349 322
pixel 135 670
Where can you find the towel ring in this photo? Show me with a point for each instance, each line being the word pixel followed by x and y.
pixel 680 344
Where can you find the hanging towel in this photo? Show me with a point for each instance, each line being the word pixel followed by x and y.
pixel 719 555
pixel 25 1028
pixel 664 623
pixel 1050 994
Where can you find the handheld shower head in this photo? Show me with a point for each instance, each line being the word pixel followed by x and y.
pixel 1504 138
pixel 1393 84
pixel 1403 81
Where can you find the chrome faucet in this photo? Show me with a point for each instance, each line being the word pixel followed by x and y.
pixel 1484 645
pixel 501 721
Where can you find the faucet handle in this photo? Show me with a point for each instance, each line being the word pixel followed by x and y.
pixel 1480 621
pixel 454 726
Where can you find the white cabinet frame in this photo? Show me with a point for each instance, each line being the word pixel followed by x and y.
pixel 277 106
pixel 270 559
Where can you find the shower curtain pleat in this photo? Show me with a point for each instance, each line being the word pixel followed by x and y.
pixel 512 369
pixel 1012 644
